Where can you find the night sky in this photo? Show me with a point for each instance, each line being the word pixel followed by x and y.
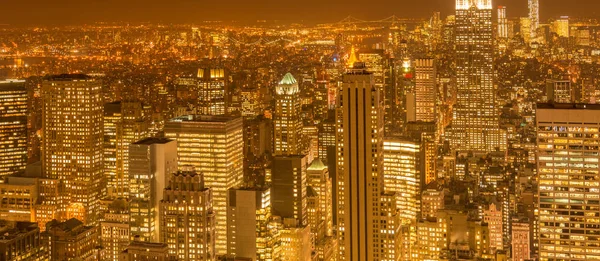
pixel 61 12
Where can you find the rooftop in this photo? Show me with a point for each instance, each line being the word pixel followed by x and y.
pixel 568 106
pixel 203 118
pixel 152 140
pixel 68 77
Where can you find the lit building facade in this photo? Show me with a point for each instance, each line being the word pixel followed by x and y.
pixel 475 112
pixel 287 120
pixel 567 164
pixel 502 23
pixel 13 127
pixel 71 240
pixel 402 175
pixel 520 240
pixel 21 241
pixel 187 220
pixel 362 205
pixel 151 162
pixel 249 232
pixel 493 217
pixel 213 86
pixel 534 18
pixel 72 142
pixel 560 91
pixel 212 145
pixel 114 231
pixel 288 187
pixel 561 26
pixel 425 89
pixel 123 124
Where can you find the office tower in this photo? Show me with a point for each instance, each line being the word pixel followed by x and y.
pixel 431 233
pixel 521 248
pixel 534 18
pixel 72 142
pixel 311 137
pixel 561 26
pixel 13 127
pixel 249 232
pixel 21 241
pixel 287 120
pixel 567 165
pixel 213 146
pixel 320 182
pixel 151 162
pixel 124 124
pixel 187 220
pixel 363 206
pixel 114 230
pixel 252 102
pixel 213 85
pixel 294 241
pixel 139 250
pixel 71 240
pixel 425 89
pixel 502 23
pixel 402 159
pixel 560 91
pixel 257 137
pixel 475 112
pixel 327 141
pixel 288 187
pixel 525 29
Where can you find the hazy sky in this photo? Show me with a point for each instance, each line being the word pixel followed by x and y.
pixel 40 12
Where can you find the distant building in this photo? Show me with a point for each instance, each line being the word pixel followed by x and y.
pixel 13 127
pixel 146 251
pixel 287 119
pixel 151 162
pixel 213 146
pixel 21 241
pixel 72 148
pixel 288 187
pixel 71 240
pixel 187 219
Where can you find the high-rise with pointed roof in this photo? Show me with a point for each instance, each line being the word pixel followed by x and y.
pixel 287 121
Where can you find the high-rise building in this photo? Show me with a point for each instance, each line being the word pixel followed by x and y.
pixel 13 127
pixel 567 165
pixel 502 23
pixel 363 206
pixel 213 146
pixel 561 26
pixel 534 18
pixel 525 29
pixel 213 84
pixel 294 241
pixel 287 119
pixel 72 142
pixel 320 182
pixel 187 220
pixel 151 162
pixel 475 112
pixel 402 161
pixel 560 91
pixel 425 89
pixel 493 217
pixel 288 187
pixel 249 232
pixel 123 124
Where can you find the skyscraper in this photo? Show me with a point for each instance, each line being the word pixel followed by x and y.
pixel 213 146
pixel 475 112
pixel 13 127
pixel 402 160
pixel 425 89
pixel 534 18
pixel 72 142
pixel 502 23
pixel 363 206
pixel 123 124
pixel 288 187
pixel 151 162
pixel 568 138
pixel 287 118
pixel 212 91
pixel 187 220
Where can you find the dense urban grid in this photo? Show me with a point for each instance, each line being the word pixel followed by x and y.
pixel 474 136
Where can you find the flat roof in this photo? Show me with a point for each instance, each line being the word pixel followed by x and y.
pixel 68 77
pixel 153 140
pixel 568 106
pixel 203 118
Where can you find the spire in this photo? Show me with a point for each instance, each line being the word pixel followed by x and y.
pixel 351 58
